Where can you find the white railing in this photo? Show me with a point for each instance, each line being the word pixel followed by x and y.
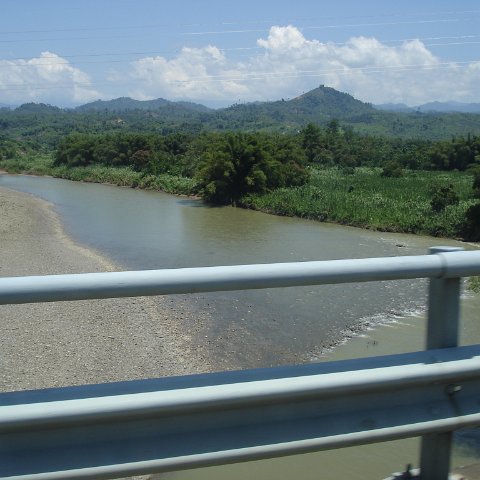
pixel 111 430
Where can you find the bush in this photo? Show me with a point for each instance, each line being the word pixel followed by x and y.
pixel 392 170
pixel 442 197
pixel 475 171
pixel 471 229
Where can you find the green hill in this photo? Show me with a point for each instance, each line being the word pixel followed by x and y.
pixel 316 106
pixel 122 104
pixel 45 125
pixel 330 102
pixel 37 108
pixel 322 104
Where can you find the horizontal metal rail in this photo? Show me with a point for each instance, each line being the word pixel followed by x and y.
pixel 53 288
pixel 134 428
pixel 236 416
pixel 238 394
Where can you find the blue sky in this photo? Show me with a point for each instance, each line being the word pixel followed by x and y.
pixel 67 52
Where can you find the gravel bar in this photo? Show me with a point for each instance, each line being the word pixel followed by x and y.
pixel 81 342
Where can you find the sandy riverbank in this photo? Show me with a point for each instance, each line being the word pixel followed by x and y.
pixel 73 343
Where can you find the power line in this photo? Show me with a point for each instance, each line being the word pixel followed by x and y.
pixel 26 40
pixel 255 75
pixel 116 54
pixel 329 71
pixel 255 22
pixel 449 43
pixel 223 32
pixel 384 24
pixel 96 55
pixel 319 27
pixel 108 54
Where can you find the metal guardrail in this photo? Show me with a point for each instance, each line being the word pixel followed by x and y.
pixel 139 427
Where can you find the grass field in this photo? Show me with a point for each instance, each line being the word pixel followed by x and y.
pixel 366 199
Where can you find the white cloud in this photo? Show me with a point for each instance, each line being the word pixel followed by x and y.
pixel 290 63
pixel 287 65
pixel 194 73
pixel 48 78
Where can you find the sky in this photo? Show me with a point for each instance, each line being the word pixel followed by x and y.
pixel 217 53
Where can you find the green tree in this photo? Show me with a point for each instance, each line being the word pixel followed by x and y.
pixel 475 171
pixel 392 169
pixel 312 142
pixel 235 164
pixel 471 230
pixel 333 127
pixel 76 150
pixel 442 197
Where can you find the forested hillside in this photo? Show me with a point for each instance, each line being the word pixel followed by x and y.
pixel 42 126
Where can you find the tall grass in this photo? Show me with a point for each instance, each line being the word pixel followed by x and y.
pixel 121 176
pixel 366 199
pixel 40 164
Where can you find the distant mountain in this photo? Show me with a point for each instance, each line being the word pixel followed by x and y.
pixel 197 107
pixel 330 102
pixel 445 107
pixel 37 108
pixel 123 104
pixel 432 107
pixel 317 106
pixel 394 107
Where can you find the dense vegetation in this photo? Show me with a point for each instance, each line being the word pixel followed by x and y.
pixel 365 198
pixel 235 164
pixel 267 156
pixel 224 166
pixel 335 145
pixel 327 174
pixel 42 126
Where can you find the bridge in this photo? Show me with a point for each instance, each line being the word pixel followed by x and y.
pixel 140 427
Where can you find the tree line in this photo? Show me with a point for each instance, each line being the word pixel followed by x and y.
pixel 225 165
pixel 228 165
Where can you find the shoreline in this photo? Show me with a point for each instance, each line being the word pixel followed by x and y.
pixel 108 176
pixel 79 342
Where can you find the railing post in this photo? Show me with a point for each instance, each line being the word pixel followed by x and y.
pixel 442 332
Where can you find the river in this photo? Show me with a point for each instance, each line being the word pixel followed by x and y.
pixel 150 230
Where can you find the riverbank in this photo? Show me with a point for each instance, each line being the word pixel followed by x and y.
pixel 415 202
pixel 363 199
pixel 74 343
pixel 119 176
